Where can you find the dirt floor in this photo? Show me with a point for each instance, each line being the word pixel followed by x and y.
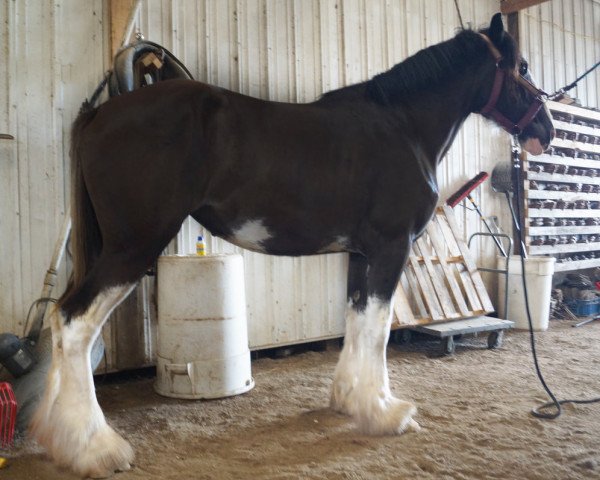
pixel 474 408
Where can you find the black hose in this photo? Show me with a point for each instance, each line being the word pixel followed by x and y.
pixel 555 402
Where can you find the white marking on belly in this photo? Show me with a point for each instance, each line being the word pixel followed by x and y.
pixel 251 235
pixel 340 244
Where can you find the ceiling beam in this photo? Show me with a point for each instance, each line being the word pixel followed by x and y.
pixel 511 6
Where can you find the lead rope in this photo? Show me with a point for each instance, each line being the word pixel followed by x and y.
pixel 459 15
pixel 564 90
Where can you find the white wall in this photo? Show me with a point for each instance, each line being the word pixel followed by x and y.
pixel 561 40
pixel 52 57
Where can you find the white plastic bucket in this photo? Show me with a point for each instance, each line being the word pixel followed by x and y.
pixel 538 275
pixel 202 332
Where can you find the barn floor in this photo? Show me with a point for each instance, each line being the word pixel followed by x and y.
pixel 473 407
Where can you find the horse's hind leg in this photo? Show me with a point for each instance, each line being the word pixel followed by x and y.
pixel 69 421
pixel 361 384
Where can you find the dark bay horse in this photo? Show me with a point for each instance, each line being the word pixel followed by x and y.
pixel 354 171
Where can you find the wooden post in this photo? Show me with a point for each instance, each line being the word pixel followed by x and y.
pixel 513 6
pixel 120 15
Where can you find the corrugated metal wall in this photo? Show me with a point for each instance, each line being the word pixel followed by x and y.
pixel 561 40
pixel 54 52
pixel 52 57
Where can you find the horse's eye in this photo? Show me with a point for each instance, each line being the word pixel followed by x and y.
pixel 523 67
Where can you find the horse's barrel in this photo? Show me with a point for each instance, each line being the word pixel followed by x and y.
pixel 202 332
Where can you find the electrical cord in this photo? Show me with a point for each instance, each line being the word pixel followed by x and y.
pixel 536 412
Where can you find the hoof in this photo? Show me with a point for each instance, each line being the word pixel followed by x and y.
pixel 106 453
pixel 388 416
pixel 90 450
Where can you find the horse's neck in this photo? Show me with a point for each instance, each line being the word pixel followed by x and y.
pixel 436 119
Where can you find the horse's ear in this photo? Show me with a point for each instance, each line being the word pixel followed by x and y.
pixel 496 29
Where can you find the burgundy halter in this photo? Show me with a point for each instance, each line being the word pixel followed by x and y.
pixel 490 111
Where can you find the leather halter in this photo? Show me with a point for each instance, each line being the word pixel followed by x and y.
pixel 490 111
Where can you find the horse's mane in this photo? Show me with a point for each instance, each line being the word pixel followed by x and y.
pixel 427 68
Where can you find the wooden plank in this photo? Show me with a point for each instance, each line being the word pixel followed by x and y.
pixel 403 314
pixel 435 260
pixel 575 145
pixel 567 196
pixel 570 161
pixel 574 127
pixel 563 213
pixel 469 263
pixel 576 265
pixel 574 110
pixel 119 14
pixel 557 177
pixel 416 294
pixel 469 289
pixel 512 6
pixel 428 296
pixel 569 248
pixel 448 235
pixel 564 230
pixel 438 285
pixel 458 268
pixel 438 245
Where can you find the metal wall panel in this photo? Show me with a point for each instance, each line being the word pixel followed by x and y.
pixel 561 40
pixel 294 51
pixel 52 57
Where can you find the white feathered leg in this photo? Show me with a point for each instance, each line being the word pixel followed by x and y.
pixel 361 385
pixel 69 423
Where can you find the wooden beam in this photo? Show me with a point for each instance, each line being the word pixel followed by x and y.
pixel 512 6
pixel 120 12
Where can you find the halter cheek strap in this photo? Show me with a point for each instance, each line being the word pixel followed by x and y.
pixel 490 110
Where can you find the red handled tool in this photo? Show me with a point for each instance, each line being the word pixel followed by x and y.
pixel 465 192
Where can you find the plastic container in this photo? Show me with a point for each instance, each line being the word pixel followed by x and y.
pixel 538 275
pixel 202 332
pixel 200 246
pixel 584 308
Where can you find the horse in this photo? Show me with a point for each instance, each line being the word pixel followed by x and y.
pixel 353 171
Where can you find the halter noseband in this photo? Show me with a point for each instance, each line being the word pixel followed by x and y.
pixel 490 111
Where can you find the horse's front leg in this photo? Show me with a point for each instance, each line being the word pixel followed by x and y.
pixel 361 384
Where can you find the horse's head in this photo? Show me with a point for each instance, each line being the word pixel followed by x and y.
pixel 513 100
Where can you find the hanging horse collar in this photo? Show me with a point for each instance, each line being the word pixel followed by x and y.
pixel 490 110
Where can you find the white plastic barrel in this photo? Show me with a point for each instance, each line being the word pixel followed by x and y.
pixel 538 275
pixel 202 332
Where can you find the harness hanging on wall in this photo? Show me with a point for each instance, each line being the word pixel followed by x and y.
pixel 143 63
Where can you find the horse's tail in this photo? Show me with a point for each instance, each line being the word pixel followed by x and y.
pixel 86 240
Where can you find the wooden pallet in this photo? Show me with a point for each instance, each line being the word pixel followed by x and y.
pixel 440 281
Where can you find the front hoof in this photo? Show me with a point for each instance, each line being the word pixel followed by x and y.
pixel 388 416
